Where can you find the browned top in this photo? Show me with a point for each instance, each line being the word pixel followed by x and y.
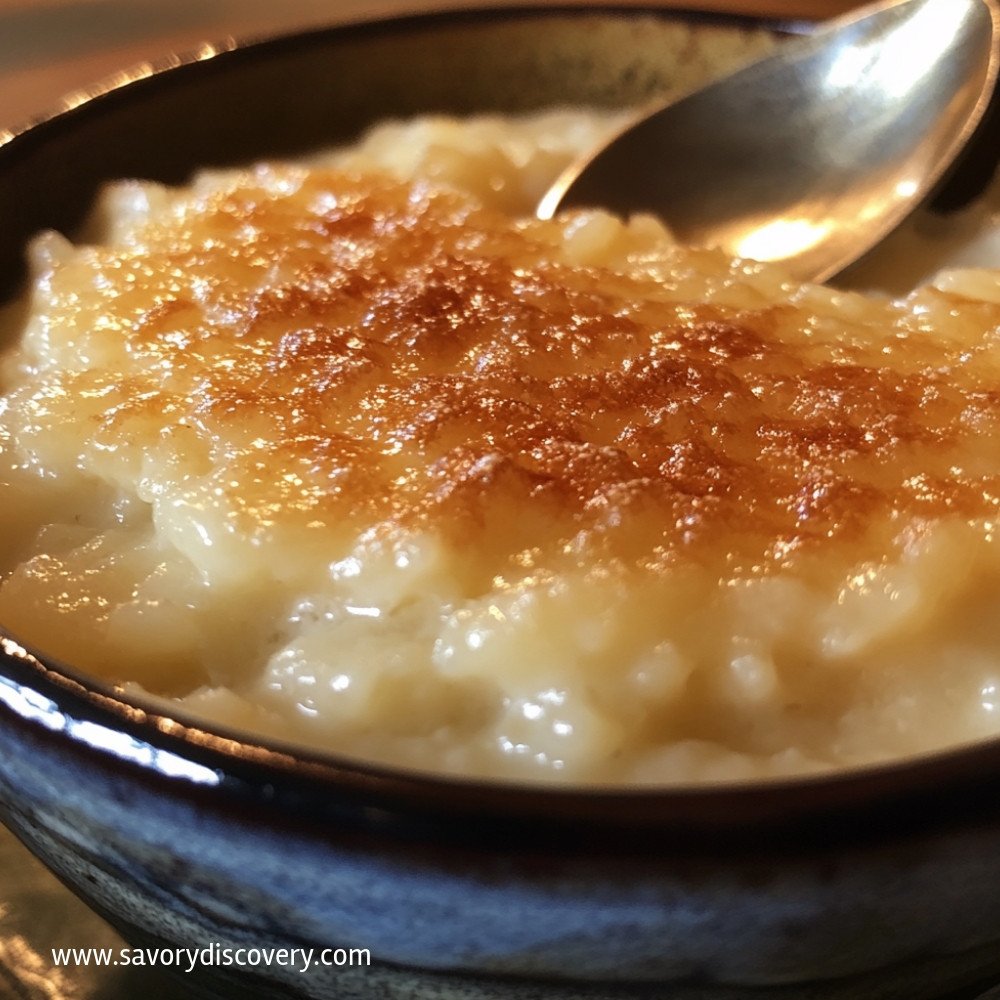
pixel 362 351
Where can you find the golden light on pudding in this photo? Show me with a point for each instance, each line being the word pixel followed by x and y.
pixel 359 454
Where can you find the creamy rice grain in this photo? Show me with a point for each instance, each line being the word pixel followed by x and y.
pixel 357 454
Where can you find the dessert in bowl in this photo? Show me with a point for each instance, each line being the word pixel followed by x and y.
pixel 358 453
pixel 350 455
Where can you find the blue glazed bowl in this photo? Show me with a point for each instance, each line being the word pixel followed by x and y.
pixel 881 883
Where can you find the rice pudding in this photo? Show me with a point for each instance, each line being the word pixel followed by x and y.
pixel 357 454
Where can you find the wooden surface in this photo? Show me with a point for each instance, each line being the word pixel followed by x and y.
pixel 51 47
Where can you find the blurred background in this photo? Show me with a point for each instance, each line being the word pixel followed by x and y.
pixel 50 47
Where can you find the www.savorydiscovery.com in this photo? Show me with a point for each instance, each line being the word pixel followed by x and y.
pixel 188 959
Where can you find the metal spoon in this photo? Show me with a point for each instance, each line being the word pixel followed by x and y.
pixel 814 154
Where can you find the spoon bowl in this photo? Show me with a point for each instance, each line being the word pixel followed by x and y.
pixel 813 155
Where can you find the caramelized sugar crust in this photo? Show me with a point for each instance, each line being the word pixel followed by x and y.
pixel 368 464
pixel 346 352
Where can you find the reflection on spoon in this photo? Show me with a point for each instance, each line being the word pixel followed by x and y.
pixel 812 155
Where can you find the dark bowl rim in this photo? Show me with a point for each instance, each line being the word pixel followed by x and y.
pixel 36 691
pixel 136 74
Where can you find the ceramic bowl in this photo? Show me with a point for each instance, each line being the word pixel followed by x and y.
pixel 882 883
